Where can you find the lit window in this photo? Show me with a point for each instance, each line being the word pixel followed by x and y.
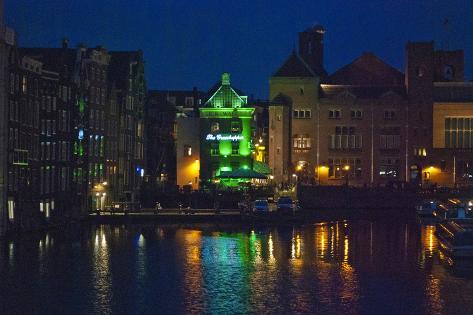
pixel 236 126
pixel 11 209
pixel 459 132
pixel 389 168
pixel 337 168
pixel 23 85
pixel 215 127
pixel 302 142
pixel 187 150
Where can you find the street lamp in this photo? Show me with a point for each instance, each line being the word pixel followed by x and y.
pixel 346 168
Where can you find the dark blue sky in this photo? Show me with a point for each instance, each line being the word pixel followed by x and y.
pixel 191 42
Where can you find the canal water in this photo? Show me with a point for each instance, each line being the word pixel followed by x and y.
pixel 345 267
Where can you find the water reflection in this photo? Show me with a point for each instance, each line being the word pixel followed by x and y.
pixel 101 278
pixel 330 267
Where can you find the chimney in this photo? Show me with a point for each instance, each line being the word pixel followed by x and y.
pixel 311 48
pixel 65 43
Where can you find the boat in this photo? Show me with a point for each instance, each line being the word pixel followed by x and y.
pixel 456 237
pixel 427 208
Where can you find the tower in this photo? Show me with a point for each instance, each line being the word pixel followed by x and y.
pixel 311 48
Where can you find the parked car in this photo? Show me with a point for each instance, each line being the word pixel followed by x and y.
pixel 286 205
pixel 261 206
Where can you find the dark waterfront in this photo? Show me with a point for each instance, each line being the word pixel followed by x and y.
pixel 345 267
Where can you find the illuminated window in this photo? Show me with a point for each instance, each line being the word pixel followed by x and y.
pixel 459 132
pixel 11 209
pixel 187 150
pixel 337 168
pixel 215 127
pixel 389 168
pixel 420 152
pixel 23 85
pixel 236 126
pixel 301 142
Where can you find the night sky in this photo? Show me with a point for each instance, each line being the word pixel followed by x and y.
pixel 190 43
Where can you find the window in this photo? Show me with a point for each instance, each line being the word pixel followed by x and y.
pixel 236 126
pixel 214 149
pixel 356 114
pixel 171 99
pixel 334 114
pixel 302 142
pixel 390 138
pixel 235 147
pixel 389 168
pixel 11 209
pixel 302 113
pixel 189 101
pixel 337 168
pixel 215 127
pixel 187 150
pixel 420 151
pixel 389 141
pixel 459 132
pixel 389 114
pixel 345 139
pixel 23 85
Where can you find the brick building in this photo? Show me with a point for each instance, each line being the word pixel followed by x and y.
pixel 368 123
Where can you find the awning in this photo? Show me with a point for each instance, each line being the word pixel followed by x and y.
pixel 261 167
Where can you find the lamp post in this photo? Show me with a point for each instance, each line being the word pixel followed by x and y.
pixel 295 178
pixel 346 168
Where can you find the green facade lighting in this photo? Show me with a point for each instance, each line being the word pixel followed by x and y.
pixel 226 126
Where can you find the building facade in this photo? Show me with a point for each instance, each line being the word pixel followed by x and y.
pixel 75 132
pixel 164 110
pixel 126 76
pixel 225 132
pixel 7 38
pixel 368 123
pixel 441 103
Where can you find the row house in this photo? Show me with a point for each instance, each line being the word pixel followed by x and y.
pixel 75 132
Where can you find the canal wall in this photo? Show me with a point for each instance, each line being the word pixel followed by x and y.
pixel 346 197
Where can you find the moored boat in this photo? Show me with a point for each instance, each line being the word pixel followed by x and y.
pixel 456 237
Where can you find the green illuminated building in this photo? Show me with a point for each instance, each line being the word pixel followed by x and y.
pixel 225 133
